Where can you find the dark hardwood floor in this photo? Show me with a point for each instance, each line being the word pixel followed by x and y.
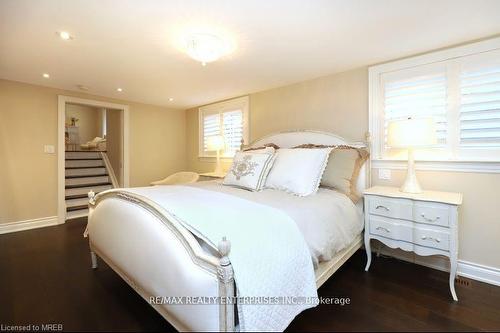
pixel 45 277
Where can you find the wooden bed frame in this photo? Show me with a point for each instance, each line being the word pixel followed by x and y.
pixel 214 270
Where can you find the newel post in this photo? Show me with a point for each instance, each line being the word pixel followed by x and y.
pixel 226 287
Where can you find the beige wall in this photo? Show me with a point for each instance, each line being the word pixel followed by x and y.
pixel 88 120
pixel 28 121
pixel 339 103
pixel 114 137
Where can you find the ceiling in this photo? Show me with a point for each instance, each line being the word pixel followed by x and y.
pixel 134 45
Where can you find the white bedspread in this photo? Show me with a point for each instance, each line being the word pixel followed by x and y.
pixel 269 255
pixel 328 220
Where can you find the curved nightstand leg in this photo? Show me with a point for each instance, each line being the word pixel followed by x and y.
pixel 453 273
pixel 368 252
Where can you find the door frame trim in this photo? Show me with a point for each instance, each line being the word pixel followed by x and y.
pixel 61 147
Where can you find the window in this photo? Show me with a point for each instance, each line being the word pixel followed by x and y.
pixel 459 88
pixel 229 119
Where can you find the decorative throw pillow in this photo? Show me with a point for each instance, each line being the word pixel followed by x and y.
pixel 342 170
pixel 298 171
pixel 250 169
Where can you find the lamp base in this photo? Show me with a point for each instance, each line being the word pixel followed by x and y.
pixel 218 166
pixel 411 184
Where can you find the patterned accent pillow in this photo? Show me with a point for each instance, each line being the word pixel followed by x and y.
pixel 342 170
pixel 250 169
pixel 298 171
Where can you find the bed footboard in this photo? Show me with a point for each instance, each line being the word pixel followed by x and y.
pixel 162 261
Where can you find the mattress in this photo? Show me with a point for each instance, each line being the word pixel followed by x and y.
pixel 328 220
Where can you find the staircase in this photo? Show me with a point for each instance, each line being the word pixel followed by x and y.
pixel 85 172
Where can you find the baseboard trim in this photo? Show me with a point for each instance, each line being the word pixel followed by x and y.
pixel 478 272
pixel 28 224
pixel 482 273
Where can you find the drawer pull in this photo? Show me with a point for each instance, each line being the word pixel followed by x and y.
pixel 382 228
pixel 429 219
pixel 437 240
pixel 384 207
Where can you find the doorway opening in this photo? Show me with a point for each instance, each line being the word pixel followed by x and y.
pixel 92 152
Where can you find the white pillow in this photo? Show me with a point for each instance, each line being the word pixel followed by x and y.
pixel 298 171
pixel 250 169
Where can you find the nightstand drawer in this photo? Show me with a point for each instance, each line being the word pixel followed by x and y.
pixel 410 232
pixel 432 213
pixel 390 229
pixel 390 207
pixel 432 238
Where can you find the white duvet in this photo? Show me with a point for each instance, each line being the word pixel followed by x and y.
pixel 328 220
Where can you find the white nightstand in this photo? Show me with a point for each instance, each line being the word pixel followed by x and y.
pixel 425 223
pixel 211 176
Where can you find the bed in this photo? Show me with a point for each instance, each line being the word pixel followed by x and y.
pixel 157 254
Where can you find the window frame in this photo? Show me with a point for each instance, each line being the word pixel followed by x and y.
pixel 376 112
pixel 242 103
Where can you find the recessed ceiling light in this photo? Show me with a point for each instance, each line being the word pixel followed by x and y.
pixel 170 99
pixel 119 89
pixel 65 35
pixel 82 87
pixel 45 75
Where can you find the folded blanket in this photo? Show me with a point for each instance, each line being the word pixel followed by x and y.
pixel 269 255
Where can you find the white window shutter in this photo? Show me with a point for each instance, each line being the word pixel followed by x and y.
pixel 232 130
pixel 229 119
pixel 211 127
pixel 421 95
pixel 480 106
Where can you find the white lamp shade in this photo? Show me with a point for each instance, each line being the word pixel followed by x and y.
pixel 215 142
pixel 407 133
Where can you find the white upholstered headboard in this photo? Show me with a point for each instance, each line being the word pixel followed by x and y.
pixel 294 138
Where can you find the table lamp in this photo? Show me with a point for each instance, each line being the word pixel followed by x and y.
pixel 411 133
pixel 216 142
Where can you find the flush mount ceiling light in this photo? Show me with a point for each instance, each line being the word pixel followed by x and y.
pixel 206 48
pixel 46 75
pixel 64 35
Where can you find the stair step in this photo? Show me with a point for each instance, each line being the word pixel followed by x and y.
pixel 77 213
pixel 83 159
pixel 84 163
pixel 87 185
pixel 83 201
pixel 86 176
pixel 81 154
pixel 84 167
pixel 71 209
pixel 76 196
pixel 71 192
pixel 87 181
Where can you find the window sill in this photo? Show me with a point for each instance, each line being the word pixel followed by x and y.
pixel 452 166
pixel 213 159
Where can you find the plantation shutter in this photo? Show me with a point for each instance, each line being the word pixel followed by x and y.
pixel 232 122
pixel 417 95
pixel 211 127
pixel 229 124
pixel 480 105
